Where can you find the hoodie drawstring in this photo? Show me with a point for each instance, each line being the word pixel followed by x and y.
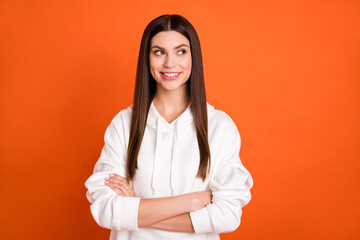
pixel 157 144
pixel 156 122
pixel 173 154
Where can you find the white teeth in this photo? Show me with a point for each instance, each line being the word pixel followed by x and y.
pixel 171 74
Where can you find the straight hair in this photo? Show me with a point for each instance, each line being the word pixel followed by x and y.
pixel 145 89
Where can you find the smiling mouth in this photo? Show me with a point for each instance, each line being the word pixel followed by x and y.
pixel 170 74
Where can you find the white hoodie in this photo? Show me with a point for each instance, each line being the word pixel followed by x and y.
pixel 168 162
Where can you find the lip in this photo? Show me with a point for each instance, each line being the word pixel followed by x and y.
pixel 170 78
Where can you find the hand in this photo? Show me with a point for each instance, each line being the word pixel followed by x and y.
pixel 200 199
pixel 120 185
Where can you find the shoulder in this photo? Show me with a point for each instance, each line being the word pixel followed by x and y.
pixel 220 120
pixel 122 117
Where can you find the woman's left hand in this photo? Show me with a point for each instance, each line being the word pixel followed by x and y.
pixel 119 185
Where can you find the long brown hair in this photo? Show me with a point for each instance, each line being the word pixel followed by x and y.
pixel 145 89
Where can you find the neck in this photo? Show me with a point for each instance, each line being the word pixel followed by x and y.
pixel 171 102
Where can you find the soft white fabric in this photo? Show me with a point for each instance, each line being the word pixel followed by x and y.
pixel 168 162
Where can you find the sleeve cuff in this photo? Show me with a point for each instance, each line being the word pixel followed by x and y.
pixel 201 221
pixel 127 217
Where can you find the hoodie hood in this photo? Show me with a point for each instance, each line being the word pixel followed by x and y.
pixel 159 125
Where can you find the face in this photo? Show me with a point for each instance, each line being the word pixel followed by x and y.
pixel 170 60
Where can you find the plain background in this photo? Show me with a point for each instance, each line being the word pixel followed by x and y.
pixel 287 73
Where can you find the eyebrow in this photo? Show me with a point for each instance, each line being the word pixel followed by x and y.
pixel 181 45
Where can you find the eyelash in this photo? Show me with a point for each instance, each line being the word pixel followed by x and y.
pixel 155 52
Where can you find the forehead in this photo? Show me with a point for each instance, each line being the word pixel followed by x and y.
pixel 169 39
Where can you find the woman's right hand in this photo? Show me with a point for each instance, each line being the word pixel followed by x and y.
pixel 120 185
pixel 200 199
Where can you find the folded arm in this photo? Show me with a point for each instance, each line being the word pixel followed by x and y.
pixel 115 211
pixel 168 213
pixel 230 187
pixel 180 223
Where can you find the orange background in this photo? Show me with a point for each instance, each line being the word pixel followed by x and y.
pixel 287 72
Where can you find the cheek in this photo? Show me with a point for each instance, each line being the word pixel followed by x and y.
pixel 187 64
pixel 152 66
pixel 154 63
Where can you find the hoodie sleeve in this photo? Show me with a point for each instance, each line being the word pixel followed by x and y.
pixel 109 209
pixel 230 188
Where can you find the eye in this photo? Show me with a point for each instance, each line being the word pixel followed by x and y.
pixel 158 52
pixel 181 52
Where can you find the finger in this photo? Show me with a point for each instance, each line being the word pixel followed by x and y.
pixel 113 175
pixel 112 184
pixel 121 181
pixel 116 187
pixel 124 187
pixel 118 191
pixel 120 185
pixel 116 180
pixel 127 186
pixel 123 190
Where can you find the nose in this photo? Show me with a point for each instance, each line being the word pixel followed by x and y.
pixel 169 61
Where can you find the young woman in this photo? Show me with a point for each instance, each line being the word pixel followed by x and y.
pixel 170 166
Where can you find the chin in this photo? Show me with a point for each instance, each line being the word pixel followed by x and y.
pixel 171 87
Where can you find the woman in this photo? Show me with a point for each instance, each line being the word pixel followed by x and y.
pixel 170 166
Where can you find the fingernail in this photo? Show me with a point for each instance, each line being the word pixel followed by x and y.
pixel 111 174
pixel 107 178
